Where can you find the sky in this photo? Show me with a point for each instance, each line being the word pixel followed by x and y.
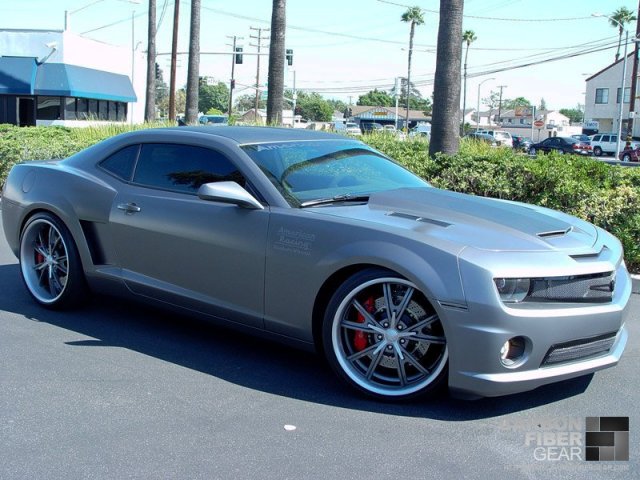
pixel 343 49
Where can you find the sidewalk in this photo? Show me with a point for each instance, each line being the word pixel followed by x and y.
pixel 635 279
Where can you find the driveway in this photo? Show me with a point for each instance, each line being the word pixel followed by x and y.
pixel 119 390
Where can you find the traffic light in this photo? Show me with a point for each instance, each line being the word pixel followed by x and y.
pixel 238 55
pixel 233 83
pixel 289 56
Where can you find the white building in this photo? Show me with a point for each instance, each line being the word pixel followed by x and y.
pixel 57 77
pixel 603 94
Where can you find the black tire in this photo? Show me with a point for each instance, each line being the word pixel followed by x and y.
pixel 50 264
pixel 597 151
pixel 626 157
pixel 383 358
pixel 532 150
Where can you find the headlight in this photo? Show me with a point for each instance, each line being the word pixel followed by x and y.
pixel 512 290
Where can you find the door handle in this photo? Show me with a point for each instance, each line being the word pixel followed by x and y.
pixel 129 207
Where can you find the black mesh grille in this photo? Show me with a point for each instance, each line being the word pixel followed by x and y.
pixel 583 288
pixel 579 349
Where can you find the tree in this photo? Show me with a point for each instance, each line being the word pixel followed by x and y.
pixel 492 101
pixel 509 104
pixel 618 19
pixel 180 100
pixel 445 124
pixel 312 106
pixel 162 93
pixel 575 114
pixel 337 105
pixel 245 103
pixel 543 105
pixel 275 89
pixel 376 98
pixel 193 68
pixel 413 16
pixel 213 96
pixel 468 37
pixel 150 101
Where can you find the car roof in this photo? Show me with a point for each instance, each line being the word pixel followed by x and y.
pixel 247 134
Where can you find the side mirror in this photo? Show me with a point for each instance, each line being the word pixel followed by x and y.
pixel 229 192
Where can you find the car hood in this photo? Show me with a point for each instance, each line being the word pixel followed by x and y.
pixel 471 221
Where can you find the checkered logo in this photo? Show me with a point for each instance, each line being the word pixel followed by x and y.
pixel 607 439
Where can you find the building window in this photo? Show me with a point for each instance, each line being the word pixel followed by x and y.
pixel 602 95
pixel 82 109
pixel 627 95
pixel 112 111
pixel 69 108
pixel 103 113
pixel 48 108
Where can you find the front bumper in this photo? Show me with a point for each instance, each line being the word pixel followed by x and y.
pixel 476 334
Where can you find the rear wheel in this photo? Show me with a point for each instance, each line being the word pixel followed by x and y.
pixel 50 264
pixel 382 336
pixel 532 150
pixel 626 157
pixel 597 151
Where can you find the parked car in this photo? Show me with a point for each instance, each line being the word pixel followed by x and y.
pixel 560 145
pixel 318 240
pixel 214 120
pixel 368 127
pixel 483 137
pixel 521 143
pixel 630 154
pixel 352 128
pixel 501 136
pixel 582 138
pixel 421 130
pixel 606 143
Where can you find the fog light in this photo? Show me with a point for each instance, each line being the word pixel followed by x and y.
pixel 513 350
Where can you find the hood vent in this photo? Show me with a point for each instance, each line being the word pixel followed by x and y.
pixel 416 218
pixel 554 233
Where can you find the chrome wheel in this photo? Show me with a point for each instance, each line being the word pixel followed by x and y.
pixel 49 262
pixel 597 151
pixel 626 157
pixel 385 337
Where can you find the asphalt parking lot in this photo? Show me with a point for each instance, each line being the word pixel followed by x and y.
pixel 118 390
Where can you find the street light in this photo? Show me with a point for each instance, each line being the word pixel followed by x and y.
pixel 624 74
pixel 478 110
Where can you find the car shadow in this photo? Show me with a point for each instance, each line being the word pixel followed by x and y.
pixel 247 360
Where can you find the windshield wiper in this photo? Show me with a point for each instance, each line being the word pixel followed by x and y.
pixel 346 197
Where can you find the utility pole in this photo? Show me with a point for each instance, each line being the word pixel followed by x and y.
pixel 634 76
pixel 174 59
pixel 259 46
pixel 500 102
pixel 232 83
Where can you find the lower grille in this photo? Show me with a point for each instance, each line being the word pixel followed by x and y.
pixel 583 288
pixel 579 349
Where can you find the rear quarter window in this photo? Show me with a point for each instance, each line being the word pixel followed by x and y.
pixel 121 163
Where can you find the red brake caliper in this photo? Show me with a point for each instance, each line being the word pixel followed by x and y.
pixel 360 341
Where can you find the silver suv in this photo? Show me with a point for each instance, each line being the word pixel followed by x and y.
pixel 606 143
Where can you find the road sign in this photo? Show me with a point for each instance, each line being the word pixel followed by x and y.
pixel 538 124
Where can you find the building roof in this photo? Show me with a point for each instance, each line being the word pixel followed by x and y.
pixel 24 76
pixel 365 112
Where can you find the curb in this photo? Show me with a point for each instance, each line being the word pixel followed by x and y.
pixel 635 283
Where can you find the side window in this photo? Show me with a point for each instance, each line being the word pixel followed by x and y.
pixel 183 168
pixel 122 162
pixel 605 138
pixel 614 138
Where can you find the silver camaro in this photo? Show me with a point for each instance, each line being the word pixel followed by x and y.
pixel 318 240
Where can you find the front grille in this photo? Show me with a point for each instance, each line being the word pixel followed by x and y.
pixel 582 288
pixel 579 349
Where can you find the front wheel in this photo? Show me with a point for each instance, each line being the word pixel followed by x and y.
pixel 383 337
pixel 532 150
pixel 626 157
pixel 50 264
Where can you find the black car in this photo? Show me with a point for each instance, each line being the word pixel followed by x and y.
pixel 368 127
pixel 561 145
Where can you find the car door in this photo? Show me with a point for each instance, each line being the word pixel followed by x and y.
pixel 547 145
pixel 177 248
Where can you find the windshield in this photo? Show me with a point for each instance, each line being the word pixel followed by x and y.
pixel 306 171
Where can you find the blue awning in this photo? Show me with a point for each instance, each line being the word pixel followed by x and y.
pixel 17 75
pixel 59 79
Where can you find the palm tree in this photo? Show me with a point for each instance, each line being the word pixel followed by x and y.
pixel 193 68
pixel 446 87
pixel 468 37
pixel 413 16
pixel 150 97
pixel 275 89
pixel 618 19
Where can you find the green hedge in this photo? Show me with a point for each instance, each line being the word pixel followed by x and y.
pixel 605 195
